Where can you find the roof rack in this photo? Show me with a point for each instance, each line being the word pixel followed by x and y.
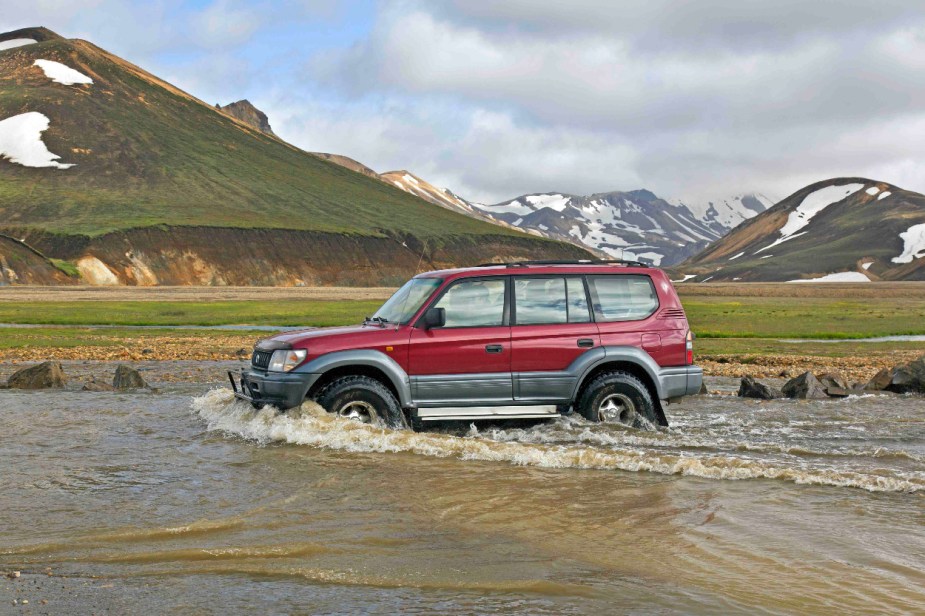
pixel 572 262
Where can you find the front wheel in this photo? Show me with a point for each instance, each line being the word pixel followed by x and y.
pixel 618 397
pixel 363 399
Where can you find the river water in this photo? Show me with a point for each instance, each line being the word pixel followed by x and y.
pixel 185 501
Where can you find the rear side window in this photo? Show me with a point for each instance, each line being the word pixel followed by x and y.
pixel 622 298
pixel 550 301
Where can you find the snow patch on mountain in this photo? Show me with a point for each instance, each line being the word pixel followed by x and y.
pixel 812 204
pixel 837 277
pixel 21 141
pixel 726 213
pixel 17 42
pixel 60 73
pixel 913 244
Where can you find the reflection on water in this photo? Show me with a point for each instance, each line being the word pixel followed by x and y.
pixel 738 507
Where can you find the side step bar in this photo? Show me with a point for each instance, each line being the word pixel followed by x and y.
pixel 486 412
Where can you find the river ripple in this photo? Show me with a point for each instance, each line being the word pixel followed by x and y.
pixel 188 501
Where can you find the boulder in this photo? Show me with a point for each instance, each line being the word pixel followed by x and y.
pixel 94 385
pixel 750 388
pixel 46 375
pixel 127 377
pixel 909 378
pixel 880 381
pixel 804 387
pixel 833 379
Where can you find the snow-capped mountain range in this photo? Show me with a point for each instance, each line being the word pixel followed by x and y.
pixel 629 225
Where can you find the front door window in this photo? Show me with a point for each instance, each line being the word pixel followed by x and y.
pixel 474 303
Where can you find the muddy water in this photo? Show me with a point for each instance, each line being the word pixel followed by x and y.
pixel 185 501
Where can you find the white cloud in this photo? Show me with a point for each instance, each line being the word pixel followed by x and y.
pixel 766 96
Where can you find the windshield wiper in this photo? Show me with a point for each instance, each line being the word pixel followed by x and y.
pixel 381 321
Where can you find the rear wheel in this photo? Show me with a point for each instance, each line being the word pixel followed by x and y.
pixel 363 399
pixel 618 397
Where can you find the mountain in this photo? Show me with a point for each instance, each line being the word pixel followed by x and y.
pixel 244 111
pixel 632 225
pixel 843 229
pixel 443 197
pixel 723 214
pixel 134 181
pixel 347 162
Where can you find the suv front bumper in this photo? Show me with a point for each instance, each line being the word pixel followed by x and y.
pixel 284 390
pixel 680 381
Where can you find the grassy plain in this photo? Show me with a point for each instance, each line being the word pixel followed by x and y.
pixel 740 327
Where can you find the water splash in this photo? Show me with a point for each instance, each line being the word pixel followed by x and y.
pixel 566 443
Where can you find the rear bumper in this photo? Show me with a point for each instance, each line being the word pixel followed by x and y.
pixel 284 390
pixel 679 381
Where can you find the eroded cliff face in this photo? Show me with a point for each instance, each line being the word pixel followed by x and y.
pixel 274 257
pixel 20 264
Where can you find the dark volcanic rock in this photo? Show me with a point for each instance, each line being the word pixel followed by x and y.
pixel 804 387
pixel 46 375
pixel 245 111
pixel 128 378
pixel 909 378
pixel 750 388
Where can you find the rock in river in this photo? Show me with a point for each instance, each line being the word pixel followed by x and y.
pixel 128 378
pixel 834 380
pixel 94 385
pixel 43 376
pixel 805 387
pixel 909 378
pixel 750 388
pixel 881 380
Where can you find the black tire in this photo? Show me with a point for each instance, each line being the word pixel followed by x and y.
pixel 618 397
pixel 361 397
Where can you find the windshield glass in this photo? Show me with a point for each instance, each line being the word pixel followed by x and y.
pixel 407 300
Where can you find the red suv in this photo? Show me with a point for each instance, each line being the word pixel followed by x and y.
pixel 606 339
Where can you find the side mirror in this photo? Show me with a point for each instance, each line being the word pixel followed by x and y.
pixel 434 317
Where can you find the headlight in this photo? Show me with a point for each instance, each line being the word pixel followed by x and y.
pixel 284 361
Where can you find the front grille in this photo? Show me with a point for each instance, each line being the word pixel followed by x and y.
pixel 261 359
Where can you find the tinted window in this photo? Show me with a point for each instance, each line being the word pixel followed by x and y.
pixel 474 303
pixel 623 298
pixel 577 302
pixel 540 300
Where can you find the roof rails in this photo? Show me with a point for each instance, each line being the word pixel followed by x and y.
pixel 572 262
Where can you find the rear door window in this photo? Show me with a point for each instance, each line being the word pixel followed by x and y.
pixel 550 300
pixel 540 301
pixel 622 298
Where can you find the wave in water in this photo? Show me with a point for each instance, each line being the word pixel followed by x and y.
pixel 311 425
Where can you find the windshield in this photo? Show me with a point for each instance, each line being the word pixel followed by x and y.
pixel 407 300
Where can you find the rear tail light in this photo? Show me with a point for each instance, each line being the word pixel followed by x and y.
pixel 689 345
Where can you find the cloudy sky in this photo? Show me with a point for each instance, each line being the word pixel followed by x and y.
pixel 495 99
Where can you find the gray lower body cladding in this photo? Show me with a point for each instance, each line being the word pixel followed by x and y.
pixel 679 382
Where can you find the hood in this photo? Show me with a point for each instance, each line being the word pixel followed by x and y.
pixel 302 337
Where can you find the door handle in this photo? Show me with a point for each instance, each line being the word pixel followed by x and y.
pixel 585 343
pixel 494 348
